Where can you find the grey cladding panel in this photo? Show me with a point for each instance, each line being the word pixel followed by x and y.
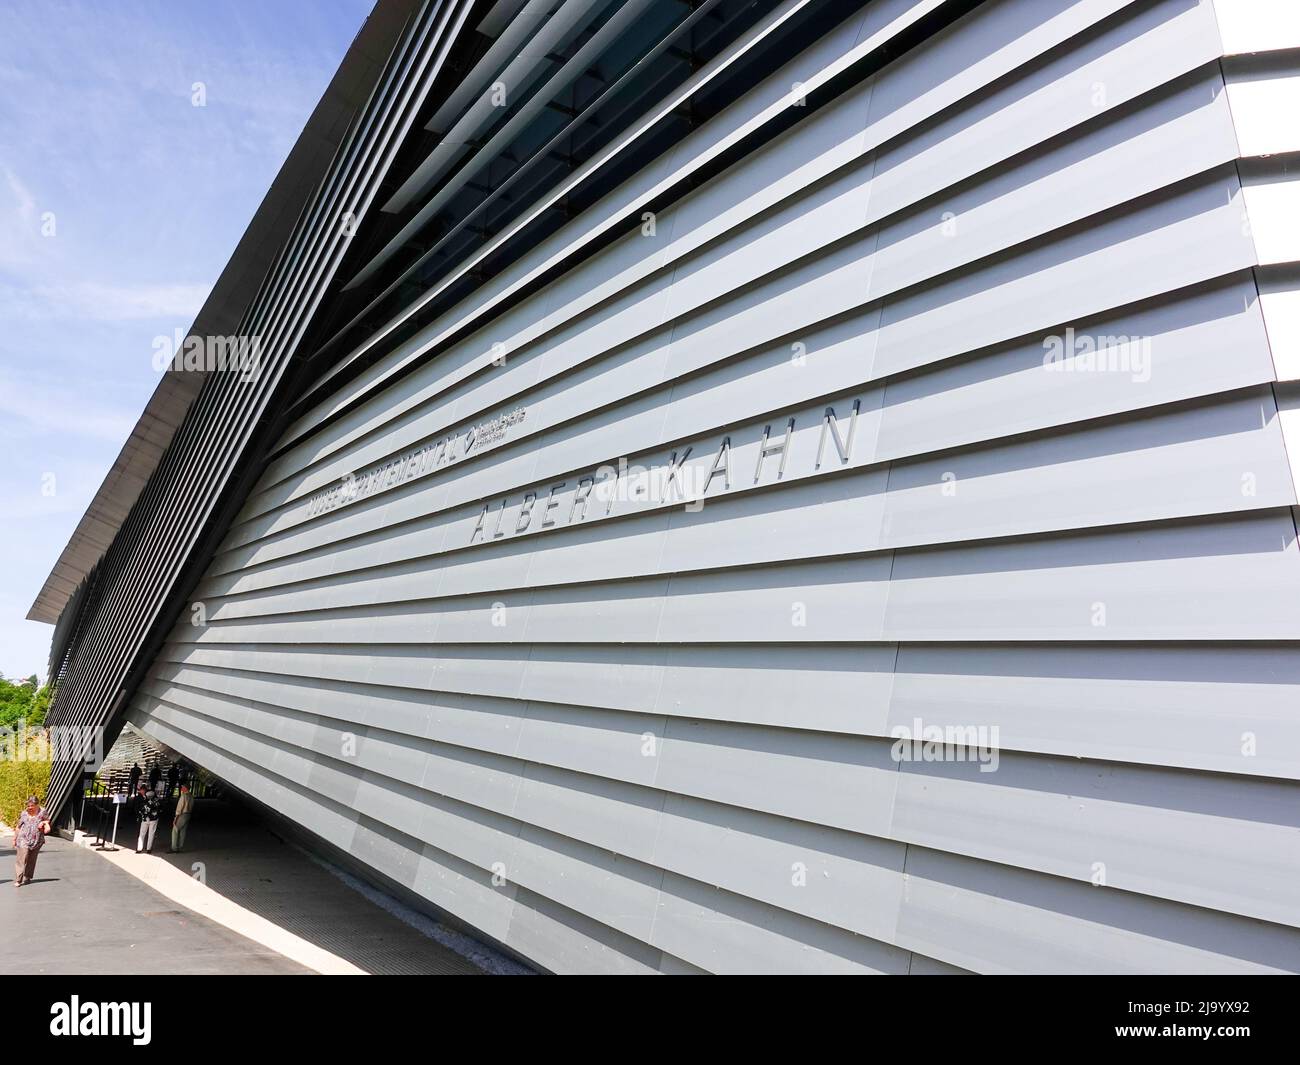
pixel 1052 514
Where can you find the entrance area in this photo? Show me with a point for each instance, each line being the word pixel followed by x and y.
pixel 237 872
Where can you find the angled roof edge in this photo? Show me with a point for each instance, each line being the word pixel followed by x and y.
pixel 253 258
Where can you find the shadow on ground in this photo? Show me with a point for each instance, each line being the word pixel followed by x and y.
pixel 242 860
pixel 82 915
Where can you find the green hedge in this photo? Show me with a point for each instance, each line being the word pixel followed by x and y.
pixel 22 708
pixel 18 779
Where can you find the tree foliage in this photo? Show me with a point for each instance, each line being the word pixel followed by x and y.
pixel 23 701
pixel 23 771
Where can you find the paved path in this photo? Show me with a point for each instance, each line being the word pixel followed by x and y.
pixel 261 906
pixel 83 915
pixel 255 883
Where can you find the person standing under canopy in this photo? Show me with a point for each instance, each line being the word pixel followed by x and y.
pixel 181 819
pixel 149 810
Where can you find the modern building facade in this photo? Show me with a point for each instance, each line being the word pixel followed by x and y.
pixel 765 486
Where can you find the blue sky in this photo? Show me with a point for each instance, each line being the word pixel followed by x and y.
pixel 120 202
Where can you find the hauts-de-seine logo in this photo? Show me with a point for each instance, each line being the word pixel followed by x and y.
pixel 443 452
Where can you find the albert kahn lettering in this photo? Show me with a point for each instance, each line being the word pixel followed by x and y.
pixel 672 481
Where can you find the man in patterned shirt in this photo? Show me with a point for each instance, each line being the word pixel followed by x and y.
pixel 149 810
pixel 33 824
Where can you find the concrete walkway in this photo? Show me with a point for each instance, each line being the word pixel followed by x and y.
pixel 238 900
pixel 82 915
pixel 238 873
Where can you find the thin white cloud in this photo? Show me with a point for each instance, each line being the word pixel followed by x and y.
pixel 95 301
pixel 35 408
pixel 40 507
pixel 19 226
pixel 24 201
